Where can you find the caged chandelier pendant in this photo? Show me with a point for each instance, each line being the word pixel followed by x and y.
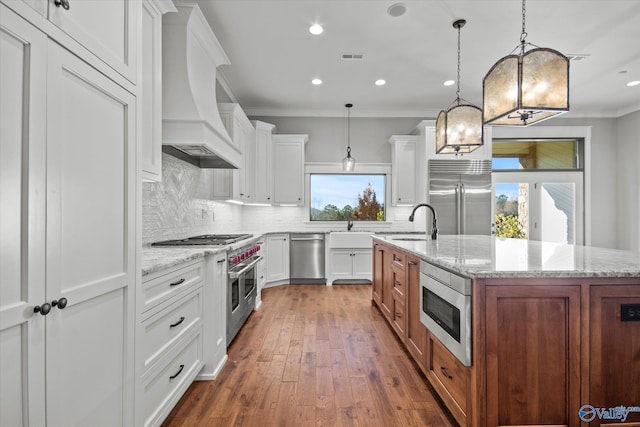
pixel 459 128
pixel 348 163
pixel 523 89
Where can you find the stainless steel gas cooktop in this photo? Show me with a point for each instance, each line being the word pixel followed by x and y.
pixel 206 239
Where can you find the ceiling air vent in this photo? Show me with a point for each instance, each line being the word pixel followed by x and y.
pixel 351 56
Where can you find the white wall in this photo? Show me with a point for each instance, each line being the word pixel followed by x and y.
pixel 628 182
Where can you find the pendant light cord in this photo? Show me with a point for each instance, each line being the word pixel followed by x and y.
pixel 458 89
pixel 348 129
pixel 523 35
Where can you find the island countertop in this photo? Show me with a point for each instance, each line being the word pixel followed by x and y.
pixel 492 257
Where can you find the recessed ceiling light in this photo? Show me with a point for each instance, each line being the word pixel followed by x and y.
pixel 381 82
pixel 449 82
pixel 634 83
pixel 316 29
pixel 316 82
pixel 397 9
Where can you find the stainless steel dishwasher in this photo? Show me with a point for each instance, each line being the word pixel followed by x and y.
pixel 306 258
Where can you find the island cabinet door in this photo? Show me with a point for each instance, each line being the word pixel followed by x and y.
pixel 533 355
pixel 416 331
pixel 615 354
pixel 378 273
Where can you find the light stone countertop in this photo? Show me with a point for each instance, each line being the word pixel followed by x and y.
pixel 492 257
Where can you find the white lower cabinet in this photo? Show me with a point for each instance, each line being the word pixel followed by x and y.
pixel 66 311
pixel 164 385
pixel 215 316
pixel 350 264
pixel 170 338
pixel 277 258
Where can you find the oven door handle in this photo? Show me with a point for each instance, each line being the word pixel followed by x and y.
pixel 236 274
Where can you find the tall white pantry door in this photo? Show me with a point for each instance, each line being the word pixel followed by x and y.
pixel 67 217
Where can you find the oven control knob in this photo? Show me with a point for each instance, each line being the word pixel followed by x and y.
pixel 247 254
pixel 236 259
pixel 258 248
pixel 242 256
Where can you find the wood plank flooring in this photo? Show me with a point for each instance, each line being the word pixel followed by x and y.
pixel 314 355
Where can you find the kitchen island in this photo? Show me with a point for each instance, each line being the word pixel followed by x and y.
pixel 553 336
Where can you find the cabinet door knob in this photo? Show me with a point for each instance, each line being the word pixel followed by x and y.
pixel 64 3
pixel 43 309
pixel 61 303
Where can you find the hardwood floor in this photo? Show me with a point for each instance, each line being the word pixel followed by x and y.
pixel 314 355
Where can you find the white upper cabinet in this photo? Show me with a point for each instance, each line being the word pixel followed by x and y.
pixel 288 168
pixel 150 86
pixel 404 169
pixel 101 32
pixel 236 184
pixel 262 167
pixel 108 28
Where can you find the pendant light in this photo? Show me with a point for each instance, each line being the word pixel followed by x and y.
pixel 459 128
pixel 348 163
pixel 526 88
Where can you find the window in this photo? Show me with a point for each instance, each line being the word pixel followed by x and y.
pixel 548 154
pixel 336 197
pixel 538 186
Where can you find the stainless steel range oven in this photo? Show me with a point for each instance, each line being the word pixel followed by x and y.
pixel 242 287
pixel 445 309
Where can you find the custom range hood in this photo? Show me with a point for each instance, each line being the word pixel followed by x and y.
pixel 191 126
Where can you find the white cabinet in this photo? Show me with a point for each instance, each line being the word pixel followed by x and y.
pixel 108 29
pixel 236 184
pixel 350 264
pixel 350 256
pixel 170 344
pixel 215 316
pixel 287 163
pixel 71 145
pixel 277 257
pixel 404 167
pixel 150 87
pixel 262 167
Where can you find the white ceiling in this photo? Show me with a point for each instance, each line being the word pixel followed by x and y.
pixel 274 57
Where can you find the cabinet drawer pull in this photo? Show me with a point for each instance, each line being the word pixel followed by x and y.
pixel 179 282
pixel 177 323
pixel 445 373
pixel 220 261
pixel 413 263
pixel 399 315
pixel 177 373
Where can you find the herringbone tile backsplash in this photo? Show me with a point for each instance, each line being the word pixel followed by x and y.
pixel 180 205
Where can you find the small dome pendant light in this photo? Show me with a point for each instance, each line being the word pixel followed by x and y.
pixel 459 129
pixel 348 163
pixel 526 88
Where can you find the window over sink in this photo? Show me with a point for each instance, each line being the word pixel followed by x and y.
pixel 338 197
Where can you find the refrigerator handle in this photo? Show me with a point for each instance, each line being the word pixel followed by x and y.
pixel 457 208
pixel 463 209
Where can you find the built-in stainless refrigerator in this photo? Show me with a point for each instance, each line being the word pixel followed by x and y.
pixel 460 192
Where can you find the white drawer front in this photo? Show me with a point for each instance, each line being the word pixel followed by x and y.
pixel 167 326
pixel 166 286
pixel 161 392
